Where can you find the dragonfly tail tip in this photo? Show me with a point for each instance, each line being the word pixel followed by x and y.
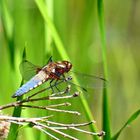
pixel 14 96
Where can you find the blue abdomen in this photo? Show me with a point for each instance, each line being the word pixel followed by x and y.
pixel 31 84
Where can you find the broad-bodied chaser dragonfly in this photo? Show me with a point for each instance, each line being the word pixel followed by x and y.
pixel 52 71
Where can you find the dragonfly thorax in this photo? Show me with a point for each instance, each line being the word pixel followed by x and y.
pixel 56 69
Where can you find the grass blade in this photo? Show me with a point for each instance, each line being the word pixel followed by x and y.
pixel 44 11
pixel 106 118
pixel 7 22
pixel 48 36
pixel 129 121
pixel 13 132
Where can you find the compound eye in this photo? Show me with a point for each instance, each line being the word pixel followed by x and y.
pixel 69 65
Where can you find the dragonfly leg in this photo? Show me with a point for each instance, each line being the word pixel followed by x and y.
pixel 51 85
pixel 55 84
pixel 63 76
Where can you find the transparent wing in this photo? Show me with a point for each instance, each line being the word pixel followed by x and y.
pixel 87 81
pixel 28 70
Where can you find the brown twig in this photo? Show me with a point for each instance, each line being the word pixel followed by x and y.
pixel 51 109
pixel 17 119
pixel 43 124
pixel 70 125
pixel 20 102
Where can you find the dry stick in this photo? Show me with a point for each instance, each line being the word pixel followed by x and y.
pixel 70 125
pixel 73 126
pixel 43 119
pixel 20 102
pixel 58 105
pixel 65 111
pixel 36 124
pixel 10 105
pixel 80 130
pixel 54 98
pixel 87 132
pixel 41 126
pixel 17 119
pixel 52 109
pixel 45 107
pixel 46 132
pixel 57 131
pixel 21 121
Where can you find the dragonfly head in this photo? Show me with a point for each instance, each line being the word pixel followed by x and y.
pixel 68 65
pixel 65 66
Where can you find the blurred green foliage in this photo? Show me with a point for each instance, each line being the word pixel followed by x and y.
pixel 22 25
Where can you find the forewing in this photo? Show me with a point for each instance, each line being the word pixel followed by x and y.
pixel 28 70
pixel 88 81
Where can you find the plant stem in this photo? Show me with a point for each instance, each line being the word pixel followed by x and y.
pixel 106 118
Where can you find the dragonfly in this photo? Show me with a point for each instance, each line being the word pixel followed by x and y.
pixel 36 76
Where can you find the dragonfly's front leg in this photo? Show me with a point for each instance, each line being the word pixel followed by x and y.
pixel 51 85
pixel 58 80
pixel 55 85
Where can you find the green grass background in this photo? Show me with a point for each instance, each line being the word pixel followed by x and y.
pixel 82 35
